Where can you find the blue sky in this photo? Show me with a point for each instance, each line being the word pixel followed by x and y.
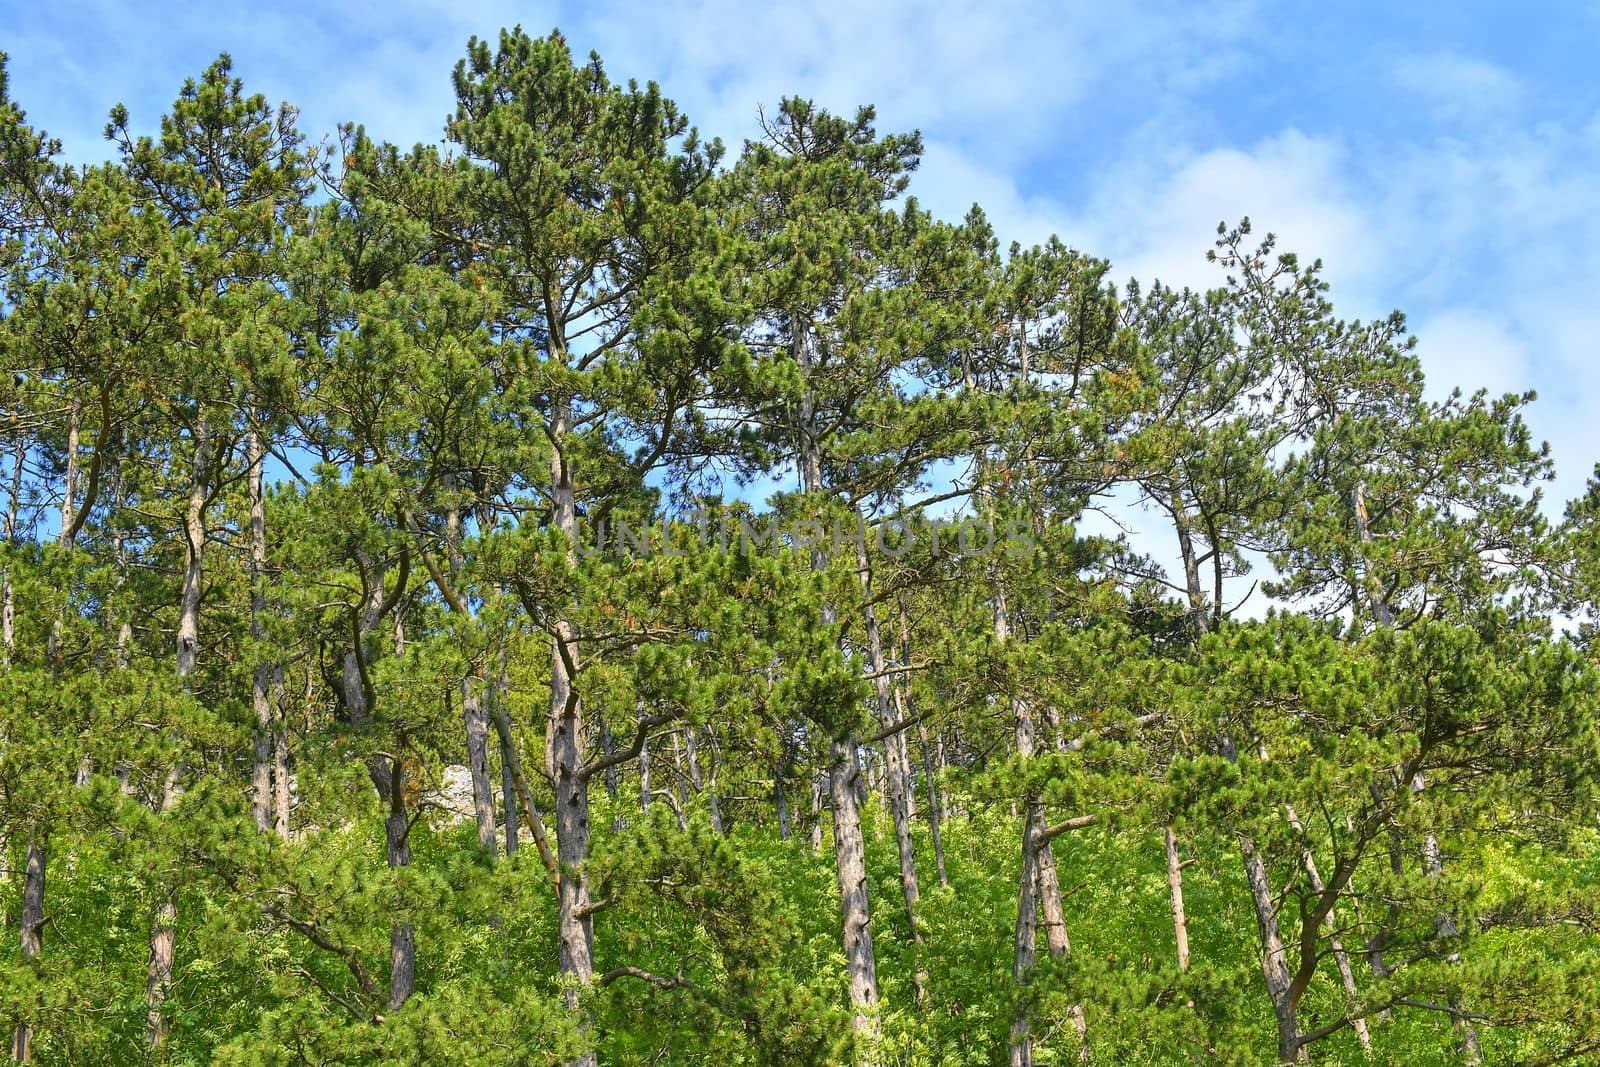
pixel 1443 158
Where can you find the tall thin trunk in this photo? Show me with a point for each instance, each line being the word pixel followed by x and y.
pixel 163 926
pixel 119 553
pixel 508 757
pixel 261 683
pixel 816 811
pixel 280 758
pixel 934 818
pixel 508 803
pixel 477 727
pixel 691 758
pixel 896 774
pixel 849 846
pixel 780 792
pixel 163 943
pixel 608 748
pixel 644 776
pixel 1045 899
pixel 564 756
pixel 906 711
pixel 69 486
pixel 397 849
pixel 64 537
pixel 849 849
pixel 1274 960
pixel 1341 958
pixel 680 796
pixel 36 859
pixel 33 878
pixel 8 607
pixel 194 532
pixel 1180 921
pixel 1445 925
pixel 1025 949
pixel 512 763
pixel 1382 614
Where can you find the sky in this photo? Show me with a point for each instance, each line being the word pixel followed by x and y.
pixel 1440 156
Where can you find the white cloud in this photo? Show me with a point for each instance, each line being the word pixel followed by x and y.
pixel 1457 86
pixel 1479 219
pixel 1469 349
pixel 1157 218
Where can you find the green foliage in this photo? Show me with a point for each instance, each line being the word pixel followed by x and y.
pixel 360 506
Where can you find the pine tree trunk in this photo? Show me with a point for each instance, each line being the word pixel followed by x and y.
pixel 32 926
pixel 163 927
pixel 844 772
pixel 163 944
pixel 564 755
pixel 1180 921
pixel 644 777
pixel 780 792
pixel 1341 958
pixel 509 764
pixel 260 689
pixel 1046 897
pixel 1445 925
pixel 1025 948
pixel 934 818
pixel 397 850
pixel 8 607
pixel 280 759
pixel 1274 960
pixel 158 977
pixel 477 727
pixel 564 759
pixel 816 812
pixel 896 774
pixel 691 756
pixel 194 532
pixel 508 804
pixel 849 848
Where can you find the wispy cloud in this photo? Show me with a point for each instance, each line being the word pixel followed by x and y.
pixel 1130 130
pixel 1457 86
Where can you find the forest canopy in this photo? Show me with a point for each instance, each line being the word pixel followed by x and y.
pixel 580 593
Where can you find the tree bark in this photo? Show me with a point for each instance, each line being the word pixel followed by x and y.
pixel 280 759
pixel 194 532
pixel 163 927
pixel 477 727
pixel 8 607
pixel 896 774
pixel 691 755
pixel 397 850
pixel 1180 921
pixel 260 688
pixel 1274 960
pixel 844 775
pixel 1433 866
pixel 564 757
pixel 780 792
pixel 1341 958
pixel 849 848
pixel 1025 948
pixel 1046 896
pixel 935 830
pixel 163 944
pixel 32 926
pixel 644 776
